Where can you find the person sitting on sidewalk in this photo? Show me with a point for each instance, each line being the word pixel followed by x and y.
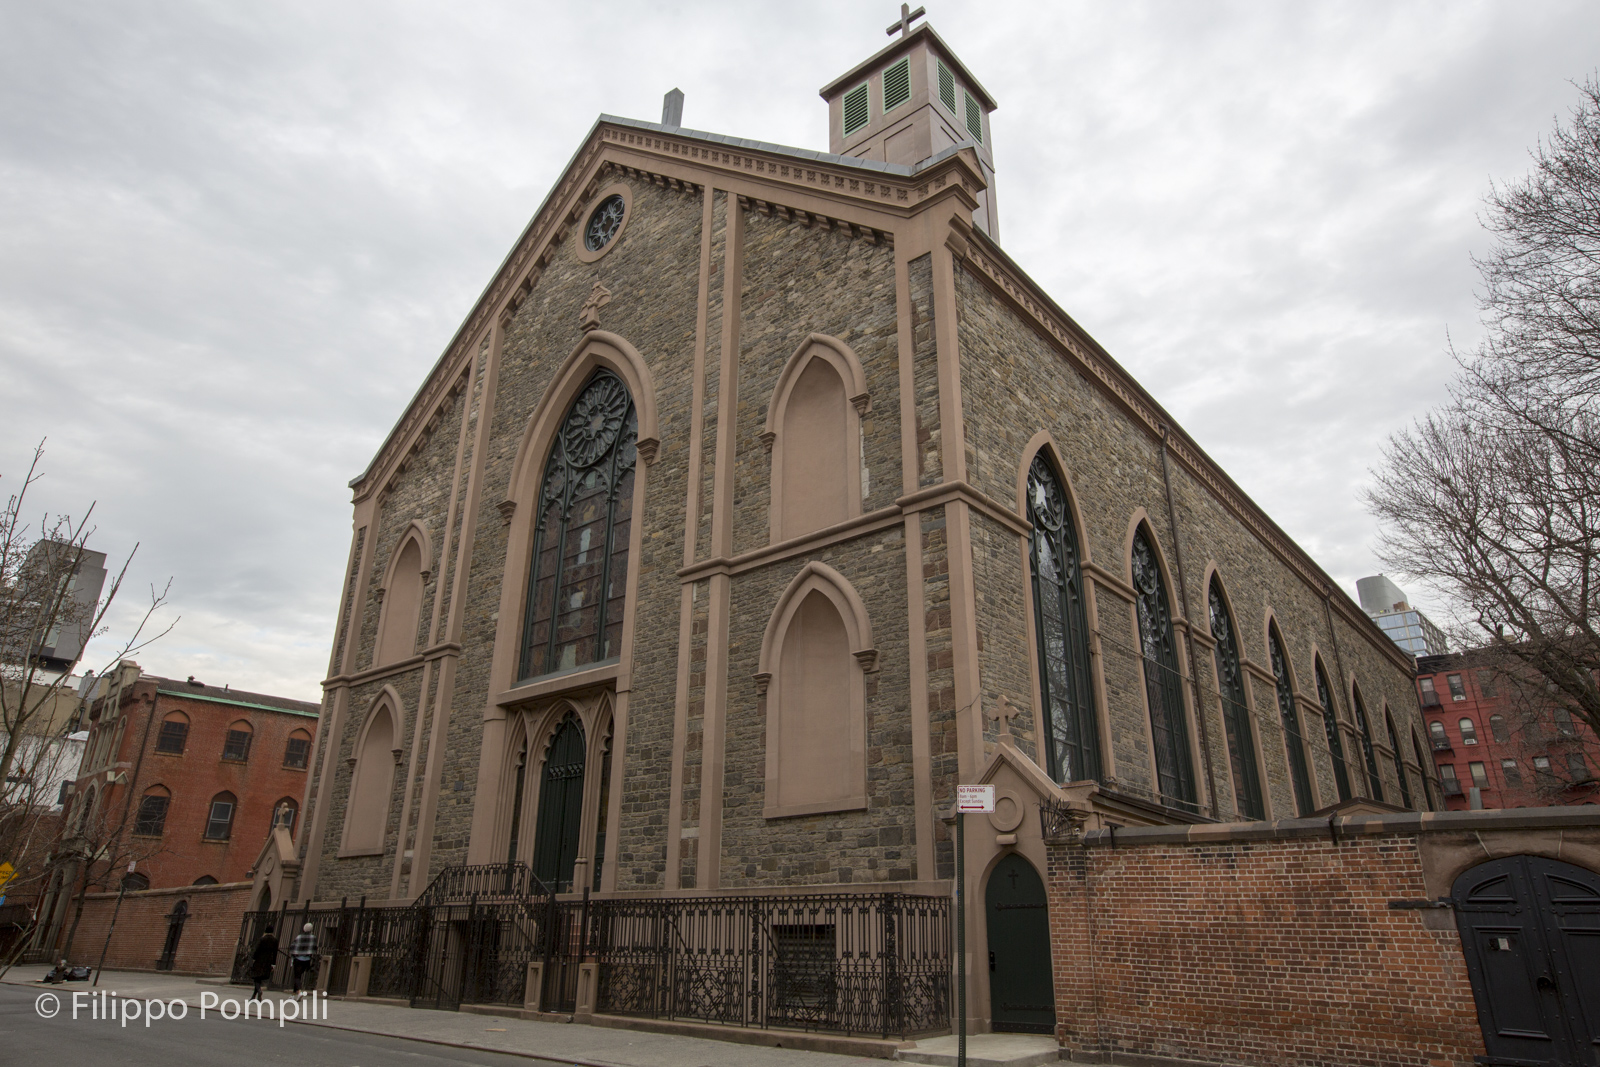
pixel 302 951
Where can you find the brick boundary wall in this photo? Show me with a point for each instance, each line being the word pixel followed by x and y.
pixel 210 934
pixel 1274 943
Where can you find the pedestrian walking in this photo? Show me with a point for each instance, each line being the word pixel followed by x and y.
pixel 262 960
pixel 302 953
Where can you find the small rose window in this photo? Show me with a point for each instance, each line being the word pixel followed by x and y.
pixel 603 224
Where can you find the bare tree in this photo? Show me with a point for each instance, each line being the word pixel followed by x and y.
pixel 39 560
pixel 1494 499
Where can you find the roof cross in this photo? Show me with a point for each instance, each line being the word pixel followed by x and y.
pixel 907 17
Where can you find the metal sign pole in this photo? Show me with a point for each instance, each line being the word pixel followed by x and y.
pixel 961 940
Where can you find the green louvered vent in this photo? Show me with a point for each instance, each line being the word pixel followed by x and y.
pixel 857 109
pixel 947 87
pixel 897 85
pixel 974 118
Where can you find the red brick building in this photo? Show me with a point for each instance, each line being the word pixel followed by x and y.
pixel 191 773
pixel 1483 739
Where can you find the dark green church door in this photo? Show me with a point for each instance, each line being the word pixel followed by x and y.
pixel 1021 993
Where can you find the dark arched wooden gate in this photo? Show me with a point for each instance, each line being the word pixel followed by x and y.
pixel 1530 931
pixel 1021 991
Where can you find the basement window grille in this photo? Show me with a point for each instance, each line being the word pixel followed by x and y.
pixel 947 87
pixel 897 85
pixel 974 118
pixel 857 109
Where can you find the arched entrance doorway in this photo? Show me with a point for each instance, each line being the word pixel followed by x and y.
pixel 1021 992
pixel 1530 931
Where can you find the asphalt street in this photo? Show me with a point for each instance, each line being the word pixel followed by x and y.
pixel 26 1040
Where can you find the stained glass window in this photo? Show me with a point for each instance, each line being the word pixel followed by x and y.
pixel 1293 740
pixel 579 573
pixel 1235 711
pixel 1169 731
pixel 1330 723
pixel 1399 763
pixel 1364 728
pixel 1072 747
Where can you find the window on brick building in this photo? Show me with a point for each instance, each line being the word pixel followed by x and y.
pixel 1458 690
pixel 219 824
pixel 1480 776
pixel 1541 765
pixel 1511 772
pixel 1430 696
pixel 1469 732
pixel 237 745
pixel 1486 683
pixel 205 879
pixel 1447 775
pixel 1577 766
pixel 1564 725
pixel 1497 727
pixel 1440 740
pixel 297 753
pixel 152 817
pixel 135 882
pixel 174 734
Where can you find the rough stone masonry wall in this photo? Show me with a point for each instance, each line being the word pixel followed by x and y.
pixel 652 276
pixel 797 281
pixel 1015 384
pixel 1261 952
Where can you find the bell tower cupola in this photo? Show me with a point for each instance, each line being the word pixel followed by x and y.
pixel 911 101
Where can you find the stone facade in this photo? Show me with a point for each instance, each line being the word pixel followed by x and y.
pixel 730 260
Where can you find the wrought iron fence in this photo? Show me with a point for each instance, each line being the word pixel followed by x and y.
pixel 860 964
pixel 853 964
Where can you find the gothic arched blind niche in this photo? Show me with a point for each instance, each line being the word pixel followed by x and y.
pixel 1072 749
pixel 1330 724
pixel 560 814
pixel 1168 730
pixel 1293 740
pixel 579 572
pixel 1235 710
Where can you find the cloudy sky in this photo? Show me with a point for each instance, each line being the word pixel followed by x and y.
pixel 234 237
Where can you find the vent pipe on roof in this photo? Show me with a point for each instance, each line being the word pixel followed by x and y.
pixel 672 108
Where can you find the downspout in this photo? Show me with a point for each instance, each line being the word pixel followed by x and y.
pixel 1188 630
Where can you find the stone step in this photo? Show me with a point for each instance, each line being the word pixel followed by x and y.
pixel 985 1050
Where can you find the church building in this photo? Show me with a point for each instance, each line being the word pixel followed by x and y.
pixel 761 500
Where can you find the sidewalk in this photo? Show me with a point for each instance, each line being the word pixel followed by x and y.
pixel 545 1042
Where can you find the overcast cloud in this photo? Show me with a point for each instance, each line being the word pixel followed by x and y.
pixel 234 237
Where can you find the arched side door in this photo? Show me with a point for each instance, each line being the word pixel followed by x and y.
pixel 1021 989
pixel 1530 931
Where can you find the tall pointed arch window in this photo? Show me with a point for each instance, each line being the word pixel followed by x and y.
pixel 1293 740
pixel 1368 751
pixel 1399 762
pixel 1235 710
pixel 555 839
pixel 1428 797
pixel 1168 729
pixel 1330 724
pixel 1062 625
pixel 579 573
